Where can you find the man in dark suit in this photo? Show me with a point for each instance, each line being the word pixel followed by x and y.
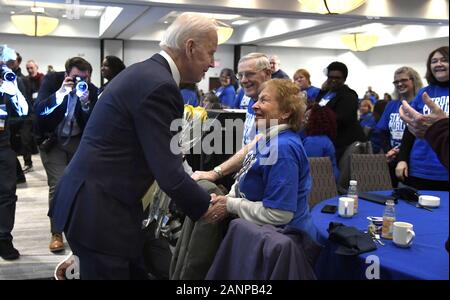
pixel 62 111
pixel 126 145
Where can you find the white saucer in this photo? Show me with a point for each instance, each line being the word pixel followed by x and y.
pixel 402 246
pixel 429 201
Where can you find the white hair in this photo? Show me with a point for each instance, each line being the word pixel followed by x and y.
pixel 7 54
pixel 187 26
pixel 262 61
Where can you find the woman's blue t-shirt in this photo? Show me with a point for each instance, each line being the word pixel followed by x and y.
pixel 390 121
pixel 226 96
pixel 423 161
pixel 284 182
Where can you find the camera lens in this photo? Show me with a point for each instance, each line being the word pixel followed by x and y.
pixel 81 86
pixel 8 76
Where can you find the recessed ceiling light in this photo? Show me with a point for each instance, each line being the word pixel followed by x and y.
pixel 240 22
pixel 13 12
pixel 38 9
pixel 90 13
pixel 166 22
pixel 64 16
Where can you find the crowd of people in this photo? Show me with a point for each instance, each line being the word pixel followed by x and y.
pixel 101 162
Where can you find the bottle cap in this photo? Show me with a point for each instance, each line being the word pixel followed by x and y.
pixel 353 182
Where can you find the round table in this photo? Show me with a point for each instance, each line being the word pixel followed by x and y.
pixel 427 258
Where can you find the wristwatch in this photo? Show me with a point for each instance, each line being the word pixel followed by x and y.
pixel 218 170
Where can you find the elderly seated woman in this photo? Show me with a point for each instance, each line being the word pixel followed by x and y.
pixel 274 181
pixel 273 184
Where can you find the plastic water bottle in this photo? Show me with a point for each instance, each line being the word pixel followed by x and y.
pixel 388 220
pixel 353 193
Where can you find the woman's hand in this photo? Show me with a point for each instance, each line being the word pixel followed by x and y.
pixel 392 154
pixel 207 175
pixel 218 209
pixel 401 170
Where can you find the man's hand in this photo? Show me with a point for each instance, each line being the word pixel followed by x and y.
pixel 418 123
pixel 84 99
pixel 66 86
pixel 401 170
pixel 207 175
pixel 218 209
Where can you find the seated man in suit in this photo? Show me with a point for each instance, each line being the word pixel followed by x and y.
pixel 126 146
pixel 62 111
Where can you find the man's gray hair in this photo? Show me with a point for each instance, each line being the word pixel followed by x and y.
pixel 187 26
pixel 262 61
pixel 7 54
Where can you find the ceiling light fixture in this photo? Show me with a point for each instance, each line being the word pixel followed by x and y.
pixel 224 32
pixel 35 22
pixel 359 41
pixel 330 6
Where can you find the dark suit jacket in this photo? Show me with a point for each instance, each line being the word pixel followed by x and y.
pixel 46 100
pixel 345 106
pixel 124 148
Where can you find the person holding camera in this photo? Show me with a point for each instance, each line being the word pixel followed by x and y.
pixel 12 104
pixel 64 104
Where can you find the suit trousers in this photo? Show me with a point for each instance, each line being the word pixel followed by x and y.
pixel 55 161
pixel 8 196
pixel 100 266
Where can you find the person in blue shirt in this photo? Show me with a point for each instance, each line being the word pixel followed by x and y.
pixel 365 114
pixel 303 81
pixel 320 133
pixel 190 94
pixel 227 91
pixel 418 164
pixel 274 181
pixel 407 84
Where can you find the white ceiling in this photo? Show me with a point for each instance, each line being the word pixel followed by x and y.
pixel 272 22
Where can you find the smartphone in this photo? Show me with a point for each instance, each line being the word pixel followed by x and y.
pixel 329 209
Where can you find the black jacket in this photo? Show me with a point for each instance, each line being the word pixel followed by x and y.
pixel 46 100
pixel 345 105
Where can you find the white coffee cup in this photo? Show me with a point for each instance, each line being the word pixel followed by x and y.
pixel 346 206
pixel 403 234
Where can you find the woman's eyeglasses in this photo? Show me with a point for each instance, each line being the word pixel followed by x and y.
pixel 402 81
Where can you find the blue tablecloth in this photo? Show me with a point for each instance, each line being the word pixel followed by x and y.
pixel 425 259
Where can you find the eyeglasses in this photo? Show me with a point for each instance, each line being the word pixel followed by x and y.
pixel 402 81
pixel 247 74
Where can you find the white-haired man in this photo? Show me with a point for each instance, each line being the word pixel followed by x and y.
pixel 125 147
pixel 275 64
pixel 253 71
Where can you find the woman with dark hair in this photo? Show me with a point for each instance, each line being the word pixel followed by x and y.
pixel 344 102
pixel 111 66
pixel 320 131
pixel 418 164
pixel 227 91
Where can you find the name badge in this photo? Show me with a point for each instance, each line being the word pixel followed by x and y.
pixel 324 102
pixel 34 95
pixel 2 125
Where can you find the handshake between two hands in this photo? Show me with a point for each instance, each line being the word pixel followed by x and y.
pixel 217 211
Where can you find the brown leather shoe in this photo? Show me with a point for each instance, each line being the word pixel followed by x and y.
pixel 56 243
